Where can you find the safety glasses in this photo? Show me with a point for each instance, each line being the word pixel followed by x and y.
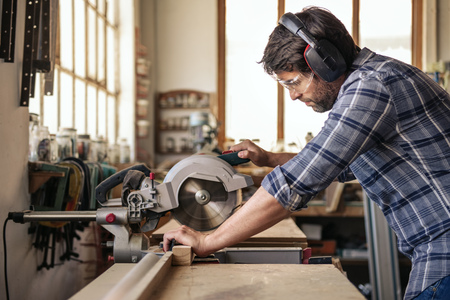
pixel 298 84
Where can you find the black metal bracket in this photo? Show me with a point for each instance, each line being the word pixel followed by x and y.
pixel 8 30
pixel 38 55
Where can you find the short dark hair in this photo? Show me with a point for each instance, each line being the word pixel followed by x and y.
pixel 284 51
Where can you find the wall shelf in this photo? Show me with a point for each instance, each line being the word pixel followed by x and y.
pixel 172 120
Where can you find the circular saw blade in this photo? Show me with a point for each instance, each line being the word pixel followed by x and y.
pixel 203 204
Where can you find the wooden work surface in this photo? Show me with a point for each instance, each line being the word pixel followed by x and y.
pixel 268 281
pixel 283 234
pixel 223 281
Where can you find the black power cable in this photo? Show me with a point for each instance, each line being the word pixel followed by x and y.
pixel 4 252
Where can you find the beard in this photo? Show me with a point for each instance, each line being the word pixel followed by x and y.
pixel 324 96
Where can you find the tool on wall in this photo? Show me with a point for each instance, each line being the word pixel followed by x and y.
pixel 8 31
pixel 39 46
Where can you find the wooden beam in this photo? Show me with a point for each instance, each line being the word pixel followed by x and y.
pixel 182 255
pixel 355 21
pixel 221 82
pixel 417 32
pixel 280 89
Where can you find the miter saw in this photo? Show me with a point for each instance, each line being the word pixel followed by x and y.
pixel 201 191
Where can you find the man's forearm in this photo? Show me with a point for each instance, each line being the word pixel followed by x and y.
pixel 260 212
pixel 278 159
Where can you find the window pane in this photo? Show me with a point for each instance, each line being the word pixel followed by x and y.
pixel 92 111
pixel 102 113
pixel 111 4
pixel 111 60
pixel 249 91
pixel 298 118
pixel 51 107
pixel 80 39
pixel 101 6
pixel 51 113
pixel 66 100
pixel 80 106
pixel 66 35
pixel 392 36
pixel 111 119
pixel 92 44
pixel 101 51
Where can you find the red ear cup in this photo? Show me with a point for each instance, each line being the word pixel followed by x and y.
pixel 305 56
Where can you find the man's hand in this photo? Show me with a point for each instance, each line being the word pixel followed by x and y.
pixel 189 237
pixel 259 156
pixel 248 149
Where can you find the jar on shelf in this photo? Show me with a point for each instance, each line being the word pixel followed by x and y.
pixel 64 142
pixel 72 133
pixel 98 150
pixel 114 154
pixel 142 128
pixel 142 108
pixel 40 144
pixel 84 146
pixel 125 151
pixel 54 155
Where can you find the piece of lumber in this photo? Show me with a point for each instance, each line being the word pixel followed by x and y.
pixel 182 255
pixel 333 195
pixel 338 265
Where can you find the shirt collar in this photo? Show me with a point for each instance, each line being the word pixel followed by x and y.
pixel 363 56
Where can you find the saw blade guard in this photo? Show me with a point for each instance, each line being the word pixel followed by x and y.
pixel 207 190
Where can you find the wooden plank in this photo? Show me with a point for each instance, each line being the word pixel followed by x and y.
pixel 333 195
pixel 284 234
pixel 266 281
pixel 128 280
pixel 104 283
pixel 151 281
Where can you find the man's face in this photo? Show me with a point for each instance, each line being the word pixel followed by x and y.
pixel 318 94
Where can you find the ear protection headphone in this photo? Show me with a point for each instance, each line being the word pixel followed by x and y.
pixel 322 57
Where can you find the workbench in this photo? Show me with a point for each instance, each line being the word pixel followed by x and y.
pixel 156 278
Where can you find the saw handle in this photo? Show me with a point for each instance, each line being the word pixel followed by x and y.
pixel 232 158
pixel 101 191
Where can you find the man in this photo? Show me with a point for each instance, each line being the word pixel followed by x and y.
pixel 389 127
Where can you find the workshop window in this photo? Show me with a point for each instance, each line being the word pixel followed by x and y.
pixel 250 96
pixel 85 92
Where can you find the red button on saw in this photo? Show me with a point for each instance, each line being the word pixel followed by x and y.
pixel 110 218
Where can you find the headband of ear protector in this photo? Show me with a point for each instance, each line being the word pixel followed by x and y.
pixel 322 57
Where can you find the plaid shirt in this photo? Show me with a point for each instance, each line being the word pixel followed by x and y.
pixel 390 129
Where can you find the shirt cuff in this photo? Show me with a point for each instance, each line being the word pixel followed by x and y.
pixel 275 184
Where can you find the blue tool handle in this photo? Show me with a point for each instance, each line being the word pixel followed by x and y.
pixel 233 158
pixel 101 191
